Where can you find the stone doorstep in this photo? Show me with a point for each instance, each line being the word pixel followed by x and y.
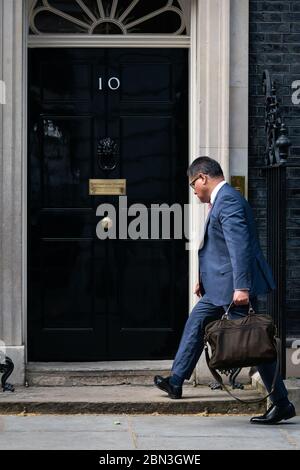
pixel 68 374
pixel 109 373
pixel 292 385
pixel 129 399
pixel 117 387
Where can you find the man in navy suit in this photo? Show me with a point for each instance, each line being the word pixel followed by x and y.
pixel 232 268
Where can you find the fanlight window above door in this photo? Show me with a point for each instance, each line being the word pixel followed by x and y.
pixel 107 17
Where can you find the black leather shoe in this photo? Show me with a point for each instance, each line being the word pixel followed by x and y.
pixel 275 414
pixel 174 391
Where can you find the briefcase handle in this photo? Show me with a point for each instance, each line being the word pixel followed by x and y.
pixel 251 310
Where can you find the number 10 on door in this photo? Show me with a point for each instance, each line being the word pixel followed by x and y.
pixel 113 83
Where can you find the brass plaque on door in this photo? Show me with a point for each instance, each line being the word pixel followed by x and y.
pixel 238 182
pixel 102 187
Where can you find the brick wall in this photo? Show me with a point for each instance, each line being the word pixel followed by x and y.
pixel 275 45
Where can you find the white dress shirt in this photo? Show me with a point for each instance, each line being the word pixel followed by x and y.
pixel 215 191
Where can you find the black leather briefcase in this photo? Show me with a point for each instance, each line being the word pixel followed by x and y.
pixel 247 341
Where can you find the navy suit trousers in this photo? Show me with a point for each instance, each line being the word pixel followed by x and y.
pixel 192 343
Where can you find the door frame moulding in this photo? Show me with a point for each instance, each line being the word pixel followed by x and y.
pixel 99 40
pixel 209 105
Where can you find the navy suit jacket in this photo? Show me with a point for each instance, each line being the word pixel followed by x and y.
pixel 231 257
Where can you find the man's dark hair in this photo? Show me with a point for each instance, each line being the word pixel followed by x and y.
pixel 205 165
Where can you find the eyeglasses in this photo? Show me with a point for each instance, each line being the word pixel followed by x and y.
pixel 192 183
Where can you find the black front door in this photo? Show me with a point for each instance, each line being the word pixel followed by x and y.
pixel 114 299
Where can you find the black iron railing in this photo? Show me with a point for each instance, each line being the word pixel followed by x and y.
pixel 276 166
pixel 6 368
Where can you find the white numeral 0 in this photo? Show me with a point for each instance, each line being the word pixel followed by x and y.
pixel 117 83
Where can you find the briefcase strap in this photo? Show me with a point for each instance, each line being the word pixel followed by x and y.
pixel 219 379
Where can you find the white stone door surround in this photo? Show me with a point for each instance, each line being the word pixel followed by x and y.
pixel 218 128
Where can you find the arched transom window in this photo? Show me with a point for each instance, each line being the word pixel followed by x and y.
pixel 107 17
